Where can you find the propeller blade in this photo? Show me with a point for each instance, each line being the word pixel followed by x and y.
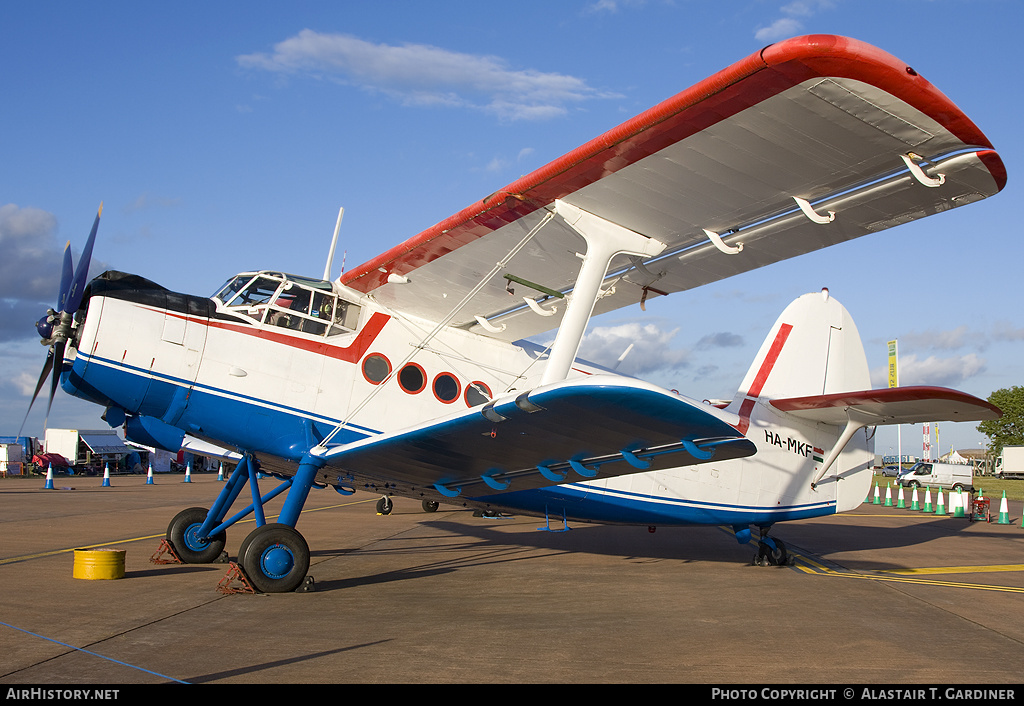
pixel 47 366
pixel 58 363
pixel 65 278
pixel 82 271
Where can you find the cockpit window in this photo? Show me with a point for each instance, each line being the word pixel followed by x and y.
pixel 231 288
pixel 312 311
pixel 299 304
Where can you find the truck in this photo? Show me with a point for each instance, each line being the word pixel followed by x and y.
pixel 12 460
pixel 30 445
pixel 87 451
pixel 929 474
pixel 1010 463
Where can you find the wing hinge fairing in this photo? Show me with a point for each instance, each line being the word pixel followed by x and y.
pixel 843 214
pixel 590 467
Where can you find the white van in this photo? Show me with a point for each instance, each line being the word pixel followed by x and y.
pixel 925 474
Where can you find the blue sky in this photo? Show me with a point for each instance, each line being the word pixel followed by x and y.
pixel 225 136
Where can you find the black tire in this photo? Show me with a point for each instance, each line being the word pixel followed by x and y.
pixel 958 487
pixel 430 505
pixel 779 555
pixel 385 506
pixel 275 558
pixel 190 548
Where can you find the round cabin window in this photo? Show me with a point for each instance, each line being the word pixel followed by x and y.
pixel 412 379
pixel 477 393
pixel 447 388
pixel 375 368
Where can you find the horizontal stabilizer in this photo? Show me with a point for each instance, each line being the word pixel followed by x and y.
pixel 585 428
pixel 895 405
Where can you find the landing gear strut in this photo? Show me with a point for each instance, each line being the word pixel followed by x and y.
pixel 274 557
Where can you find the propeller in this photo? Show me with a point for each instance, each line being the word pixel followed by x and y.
pixel 55 326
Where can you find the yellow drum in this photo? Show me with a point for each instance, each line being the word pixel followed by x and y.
pixel 99 564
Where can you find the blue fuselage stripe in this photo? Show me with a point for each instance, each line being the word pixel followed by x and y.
pixel 576 501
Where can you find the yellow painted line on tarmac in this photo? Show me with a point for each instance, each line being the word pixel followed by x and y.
pixel 954 570
pixel 40 555
pixel 816 569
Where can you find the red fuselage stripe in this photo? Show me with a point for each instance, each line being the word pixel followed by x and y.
pixel 349 354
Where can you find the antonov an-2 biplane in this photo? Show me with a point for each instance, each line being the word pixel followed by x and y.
pixel 409 375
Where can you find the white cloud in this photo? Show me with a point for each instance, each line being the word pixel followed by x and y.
pixel 789 25
pixel 1005 331
pixel 943 372
pixel 651 351
pixel 613 6
pixel 421 74
pixel 30 260
pixel 940 340
pixel 722 339
pixel 779 29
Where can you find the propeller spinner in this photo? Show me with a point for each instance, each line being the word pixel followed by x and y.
pixel 55 326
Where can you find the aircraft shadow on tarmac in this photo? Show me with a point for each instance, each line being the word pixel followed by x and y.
pixel 474 543
pixel 227 674
pixel 487 541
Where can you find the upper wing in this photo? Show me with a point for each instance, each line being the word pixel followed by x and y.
pixel 594 427
pixel 896 405
pixel 822 119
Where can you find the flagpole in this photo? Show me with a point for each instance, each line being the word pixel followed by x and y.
pixel 894 381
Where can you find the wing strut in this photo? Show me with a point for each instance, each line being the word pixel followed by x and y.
pixel 604 240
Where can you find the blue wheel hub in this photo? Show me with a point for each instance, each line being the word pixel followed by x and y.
pixel 192 539
pixel 276 561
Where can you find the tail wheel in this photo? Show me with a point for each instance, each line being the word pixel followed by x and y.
pixel 275 558
pixel 768 555
pixel 430 505
pixel 183 535
pixel 385 506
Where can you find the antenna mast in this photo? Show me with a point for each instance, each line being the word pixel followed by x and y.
pixel 334 242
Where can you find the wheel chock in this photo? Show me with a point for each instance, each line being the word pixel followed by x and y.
pixel 234 574
pixel 237 574
pixel 165 554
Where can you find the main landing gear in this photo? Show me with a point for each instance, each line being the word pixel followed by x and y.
pixel 274 557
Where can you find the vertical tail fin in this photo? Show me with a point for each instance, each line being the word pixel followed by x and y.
pixel 814 348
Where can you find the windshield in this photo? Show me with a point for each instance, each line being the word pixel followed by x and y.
pixel 295 303
pixel 231 287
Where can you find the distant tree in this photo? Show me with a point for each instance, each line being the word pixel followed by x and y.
pixel 1008 430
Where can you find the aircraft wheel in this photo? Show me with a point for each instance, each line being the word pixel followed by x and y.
pixel 190 548
pixel 779 555
pixel 385 506
pixel 430 506
pixel 275 558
